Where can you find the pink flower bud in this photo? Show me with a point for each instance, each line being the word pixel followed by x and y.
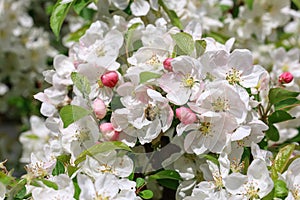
pixel 167 64
pixel 285 77
pixel 108 131
pixel 186 115
pixel 110 79
pixel 99 108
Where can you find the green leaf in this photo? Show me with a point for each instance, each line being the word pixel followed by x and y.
pixel 270 196
pixel 75 36
pixel 71 170
pixel 166 174
pixel 82 83
pixel 297 3
pixel 246 158
pixel 280 189
pixel 5 179
pixel 249 4
pixel 212 159
pixel 169 183
pixel 32 137
pixel 139 182
pixel 200 46
pixel 282 158
pixel 81 4
pixel 49 184
pixel 21 194
pixel 72 113
pixel 279 116
pixel 128 36
pixel 77 189
pixel 58 169
pixel 146 194
pixel 287 104
pixel 58 16
pixel 145 76
pixel 88 14
pixel 65 158
pixel 278 94
pixel 272 133
pixel 185 42
pixel 171 14
pixel 17 188
pixel 100 148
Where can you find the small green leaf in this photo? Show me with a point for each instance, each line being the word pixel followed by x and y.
pixel 58 16
pixel 280 189
pixel 64 158
pixel 185 42
pixel 278 94
pixel 77 189
pixel 297 3
pixel 32 137
pixel 145 76
pixel 72 113
pixel 272 133
pixel 81 4
pixel 171 14
pixel 169 183
pixel 100 148
pixel 75 36
pixel 146 194
pixel 58 169
pixel 249 4
pixel 200 46
pixel 128 36
pixel 212 159
pixel 166 174
pixel 82 83
pixel 279 116
pixel 49 184
pixel 21 194
pixel 282 158
pixel 139 182
pixel 71 170
pixel 5 179
pixel 287 104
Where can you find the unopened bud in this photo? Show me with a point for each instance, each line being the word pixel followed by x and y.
pixel 108 131
pixel 110 79
pixel 167 64
pixel 99 108
pixel 186 115
pixel 285 77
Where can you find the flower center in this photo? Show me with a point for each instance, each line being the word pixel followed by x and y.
pixel 151 112
pixel 105 168
pixel 205 128
pixel 188 81
pixel 153 60
pixel 252 191
pixel 82 135
pixel 218 180
pixel 220 105
pixel 233 76
pixel 100 197
pixel 285 68
pixel 296 192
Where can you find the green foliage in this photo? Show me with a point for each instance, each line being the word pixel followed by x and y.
pixel 185 42
pixel 279 116
pixel 277 95
pixel 72 113
pixel 200 46
pixel 272 133
pixel 140 182
pixel 287 104
pixel 171 14
pixel 166 174
pixel 282 158
pixel 82 83
pixel 146 194
pixel 100 148
pixel 49 184
pixel 58 15
pixel 78 34
pixel 249 4
pixel 146 76
pixel 280 189
pixel 79 5
pixel 59 168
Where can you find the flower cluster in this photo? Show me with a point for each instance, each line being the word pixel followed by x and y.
pixel 24 52
pixel 150 99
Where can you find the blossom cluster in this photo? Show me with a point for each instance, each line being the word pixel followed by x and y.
pixel 24 51
pixel 155 100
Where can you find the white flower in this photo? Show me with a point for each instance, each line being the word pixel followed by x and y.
pixel 2 191
pixel 184 82
pixel 140 7
pixel 255 185
pixel 65 189
pixel 292 176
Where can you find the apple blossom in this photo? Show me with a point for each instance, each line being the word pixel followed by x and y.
pixel 285 77
pixel 167 64
pixel 99 108
pixel 185 115
pixel 109 79
pixel 108 131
